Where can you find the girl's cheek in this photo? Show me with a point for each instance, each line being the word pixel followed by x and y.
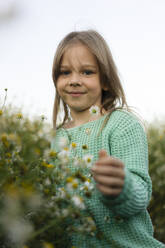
pixel 61 82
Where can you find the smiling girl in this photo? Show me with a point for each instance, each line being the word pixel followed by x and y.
pixel 85 75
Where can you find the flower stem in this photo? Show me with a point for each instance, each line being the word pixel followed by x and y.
pixel 35 234
pixel 4 99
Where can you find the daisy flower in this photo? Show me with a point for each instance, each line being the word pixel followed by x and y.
pixel 62 193
pixel 64 156
pixel 88 160
pixel 87 186
pixel 48 245
pixel 65 212
pixel 19 116
pixel 76 161
pixel 47 165
pixel 78 201
pixel 72 183
pixel 94 110
pixel 84 147
pixel 73 145
pixel 63 142
pixel 52 154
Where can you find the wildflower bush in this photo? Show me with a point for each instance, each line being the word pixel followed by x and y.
pixel 38 200
pixel 156 138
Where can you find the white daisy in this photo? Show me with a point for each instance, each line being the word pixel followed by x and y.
pixel 94 110
pixel 76 161
pixel 47 181
pixel 64 156
pixel 62 193
pixel 63 142
pixel 88 160
pixel 88 185
pixel 72 185
pixel 78 201
pixel 73 145
pixel 65 212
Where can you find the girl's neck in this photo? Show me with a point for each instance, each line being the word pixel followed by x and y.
pixel 81 118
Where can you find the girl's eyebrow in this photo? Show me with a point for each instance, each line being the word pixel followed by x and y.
pixel 89 65
pixel 83 65
pixel 64 66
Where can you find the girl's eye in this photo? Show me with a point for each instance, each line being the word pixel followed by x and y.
pixel 65 73
pixel 88 72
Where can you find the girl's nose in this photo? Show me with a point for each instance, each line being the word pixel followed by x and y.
pixel 75 76
pixel 75 80
pixel 74 84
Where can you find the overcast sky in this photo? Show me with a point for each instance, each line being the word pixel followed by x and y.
pixel 134 30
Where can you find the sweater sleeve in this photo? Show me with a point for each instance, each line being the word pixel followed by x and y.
pixel 129 143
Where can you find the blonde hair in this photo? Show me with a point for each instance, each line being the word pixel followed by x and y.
pixel 113 97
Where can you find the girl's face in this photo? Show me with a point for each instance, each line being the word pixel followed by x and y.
pixel 78 83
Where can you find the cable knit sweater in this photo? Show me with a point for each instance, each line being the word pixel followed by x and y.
pixel 123 220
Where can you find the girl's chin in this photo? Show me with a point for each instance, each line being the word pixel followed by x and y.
pixel 79 109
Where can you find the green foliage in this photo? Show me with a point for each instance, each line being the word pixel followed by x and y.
pixel 156 138
pixel 36 208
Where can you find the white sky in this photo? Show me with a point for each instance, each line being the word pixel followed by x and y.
pixel 134 30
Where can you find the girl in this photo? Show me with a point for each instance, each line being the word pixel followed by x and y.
pixel 85 75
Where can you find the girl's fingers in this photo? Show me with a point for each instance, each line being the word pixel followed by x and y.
pixel 108 171
pixel 102 153
pixel 109 174
pixel 110 161
pixel 109 191
pixel 109 181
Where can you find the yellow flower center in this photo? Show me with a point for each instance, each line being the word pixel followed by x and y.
pixel 69 179
pixel 74 145
pixel 66 148
pixel 89 160
pixel 19 116
pixel 75 185
pixel 85 147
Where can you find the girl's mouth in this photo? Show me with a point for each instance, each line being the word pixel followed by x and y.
pixel 76 94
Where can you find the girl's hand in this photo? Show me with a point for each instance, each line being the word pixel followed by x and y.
pixel 109 174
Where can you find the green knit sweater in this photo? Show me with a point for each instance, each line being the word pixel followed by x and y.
pixel 124 220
